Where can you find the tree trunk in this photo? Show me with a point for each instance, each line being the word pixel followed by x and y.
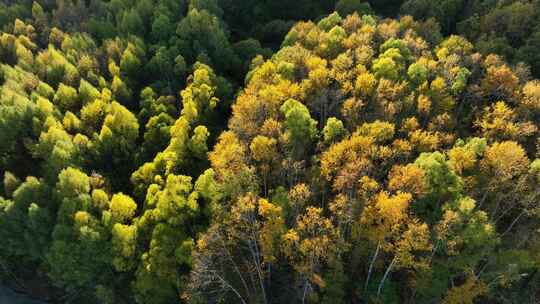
pixel 305 291
pixel 229 256
pixel 385 276
pixel 513 223
pixel 371 264
pixel 232 288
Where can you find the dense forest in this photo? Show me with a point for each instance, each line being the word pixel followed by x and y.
pixel 263 152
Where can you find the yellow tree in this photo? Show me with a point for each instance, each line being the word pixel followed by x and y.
pixel 467 292
pixel 500 122
pixel 382 222
pixel 409 178
pixel 264 151
pixel 234 258
pixel 503 166
pixel 346 161
pixel 313 242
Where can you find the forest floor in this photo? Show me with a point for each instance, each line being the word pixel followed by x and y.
pixel 9 296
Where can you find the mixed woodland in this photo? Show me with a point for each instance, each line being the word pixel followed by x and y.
pixel 264 152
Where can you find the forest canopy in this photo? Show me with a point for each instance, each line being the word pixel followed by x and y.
pixel 257 152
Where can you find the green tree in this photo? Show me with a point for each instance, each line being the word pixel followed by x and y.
pixel 302 129
pixel 348 7
pixel 168 241
pixel 200 36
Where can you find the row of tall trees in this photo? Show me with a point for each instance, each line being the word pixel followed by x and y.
pixel 239 28
pixel 99 200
